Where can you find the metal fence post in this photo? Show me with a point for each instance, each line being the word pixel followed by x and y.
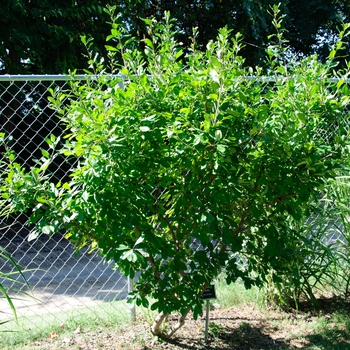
pixel 132 308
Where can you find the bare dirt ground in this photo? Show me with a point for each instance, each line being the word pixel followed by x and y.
pixel 242 327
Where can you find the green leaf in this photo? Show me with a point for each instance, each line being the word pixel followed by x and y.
pixel 85 196
pixel 45 153
pixel 122 247
pixel 214 76
pixel 5 295
pixel 111 48
pixel 218 135
pixel 154 306
pixel 129 255
pixel 207 217
pixel 148 43
pixel 221 149
pixel 48 229
pixel 197 140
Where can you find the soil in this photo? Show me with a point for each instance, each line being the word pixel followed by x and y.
pixel 243 327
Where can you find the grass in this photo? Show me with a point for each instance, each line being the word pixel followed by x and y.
pixel 236 294
pixel 331 331
pixel 327 328
pixel 30 329
pixel 317 331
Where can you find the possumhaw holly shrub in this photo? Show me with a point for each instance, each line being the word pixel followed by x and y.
pixel 190 163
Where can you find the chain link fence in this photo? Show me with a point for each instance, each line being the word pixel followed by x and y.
pixel 65 284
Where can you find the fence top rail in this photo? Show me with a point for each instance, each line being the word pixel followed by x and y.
pixel 64 77
pixel 51 77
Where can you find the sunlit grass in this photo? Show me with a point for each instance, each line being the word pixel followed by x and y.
pixel 235 294
pixel 29 329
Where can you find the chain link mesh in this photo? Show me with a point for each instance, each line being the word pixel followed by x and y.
pixel 64 282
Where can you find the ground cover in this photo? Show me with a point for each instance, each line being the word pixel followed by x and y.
pixel 239 327
pixel 238 319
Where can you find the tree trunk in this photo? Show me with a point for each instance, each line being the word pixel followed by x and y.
pixel 178 325
pixel 158 325
pixel 156 328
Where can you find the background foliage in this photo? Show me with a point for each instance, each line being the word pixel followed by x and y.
pixel 43 37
